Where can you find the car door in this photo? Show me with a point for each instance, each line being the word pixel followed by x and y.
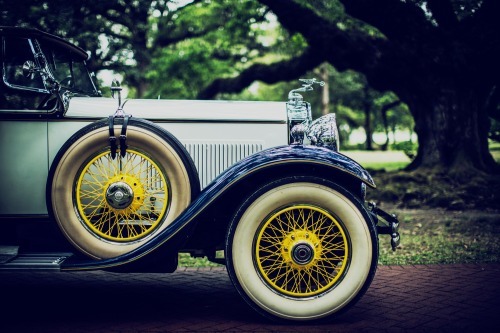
pixel 23 130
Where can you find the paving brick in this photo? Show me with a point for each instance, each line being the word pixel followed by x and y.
pixel 421 298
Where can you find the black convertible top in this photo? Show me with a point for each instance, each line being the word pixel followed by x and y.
pixel 35 33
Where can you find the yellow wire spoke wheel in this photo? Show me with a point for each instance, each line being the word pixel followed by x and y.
pixel 108 207
pixel 121 199
pixel 301 251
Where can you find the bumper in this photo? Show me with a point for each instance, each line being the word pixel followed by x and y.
pixel 387 224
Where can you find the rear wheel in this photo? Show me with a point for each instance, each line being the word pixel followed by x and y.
pixel 107 207
pixel 301 250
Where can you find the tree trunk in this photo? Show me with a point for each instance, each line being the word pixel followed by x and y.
pixel 325 96
pixel 453 137
pixel 385 145
pixel 367 108
pixel 383 112
pixel 141 89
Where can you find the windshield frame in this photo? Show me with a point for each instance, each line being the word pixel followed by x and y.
pixel 63 62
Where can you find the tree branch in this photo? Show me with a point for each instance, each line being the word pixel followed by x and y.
pixel 387 63
pixel 280 71
pixel 109 10
pixel 395 19
pixel 344 49
pixel 296 18
pixel 388 106
pixel 167 36
pixel 166 39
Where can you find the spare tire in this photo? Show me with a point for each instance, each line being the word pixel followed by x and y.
pixel 109 206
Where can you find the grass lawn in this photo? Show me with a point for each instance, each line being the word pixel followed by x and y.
pixel 379 160
pixel 393 160
pixel 496 155
pixel 439 236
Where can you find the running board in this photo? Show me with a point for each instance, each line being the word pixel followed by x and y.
pixel 50 261
pixel 7 253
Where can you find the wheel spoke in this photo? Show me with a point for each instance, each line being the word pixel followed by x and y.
pixel 134 212
pixel 301 250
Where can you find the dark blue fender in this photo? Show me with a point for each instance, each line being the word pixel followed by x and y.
pixel 171 238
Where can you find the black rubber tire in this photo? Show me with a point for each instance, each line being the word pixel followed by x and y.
pixel 250 278
pixel 144 137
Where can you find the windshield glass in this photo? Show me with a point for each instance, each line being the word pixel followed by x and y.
pixel 70 72
pixel 19 51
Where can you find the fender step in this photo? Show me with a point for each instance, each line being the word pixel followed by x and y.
pixel 10 259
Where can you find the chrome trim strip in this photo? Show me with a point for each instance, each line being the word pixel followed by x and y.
pixel 37 115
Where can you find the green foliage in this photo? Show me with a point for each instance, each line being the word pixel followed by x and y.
pixel 136 39
pixel 333 11
pixel 185 260
pixel 408 147
pixel 260 91
pixel 179 71
pixel 351 96
pixel 436 236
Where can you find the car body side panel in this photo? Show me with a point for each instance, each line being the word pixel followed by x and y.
pixel 233 176
pixel 59 132
pixel 213 147
pixel 217 134
pixel 24 167
pixel 223 138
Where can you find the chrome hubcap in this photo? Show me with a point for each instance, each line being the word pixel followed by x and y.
pixel 119 195
pixel 302 253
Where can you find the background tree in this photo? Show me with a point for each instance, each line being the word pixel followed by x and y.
pixel 136 38
pixel 357 105
pixel 439 56
pixel 182 68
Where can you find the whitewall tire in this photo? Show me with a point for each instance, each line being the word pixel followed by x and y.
pixel 107 207
pixel 301 250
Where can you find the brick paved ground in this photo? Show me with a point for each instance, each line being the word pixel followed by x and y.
pixel 441 298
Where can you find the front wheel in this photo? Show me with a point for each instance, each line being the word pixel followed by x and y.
pixel 301 249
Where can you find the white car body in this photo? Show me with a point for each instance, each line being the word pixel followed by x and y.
pixel 216 134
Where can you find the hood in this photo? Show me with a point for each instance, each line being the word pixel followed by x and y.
pixel 179 110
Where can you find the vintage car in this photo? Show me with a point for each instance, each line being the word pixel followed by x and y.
pixel 97 183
